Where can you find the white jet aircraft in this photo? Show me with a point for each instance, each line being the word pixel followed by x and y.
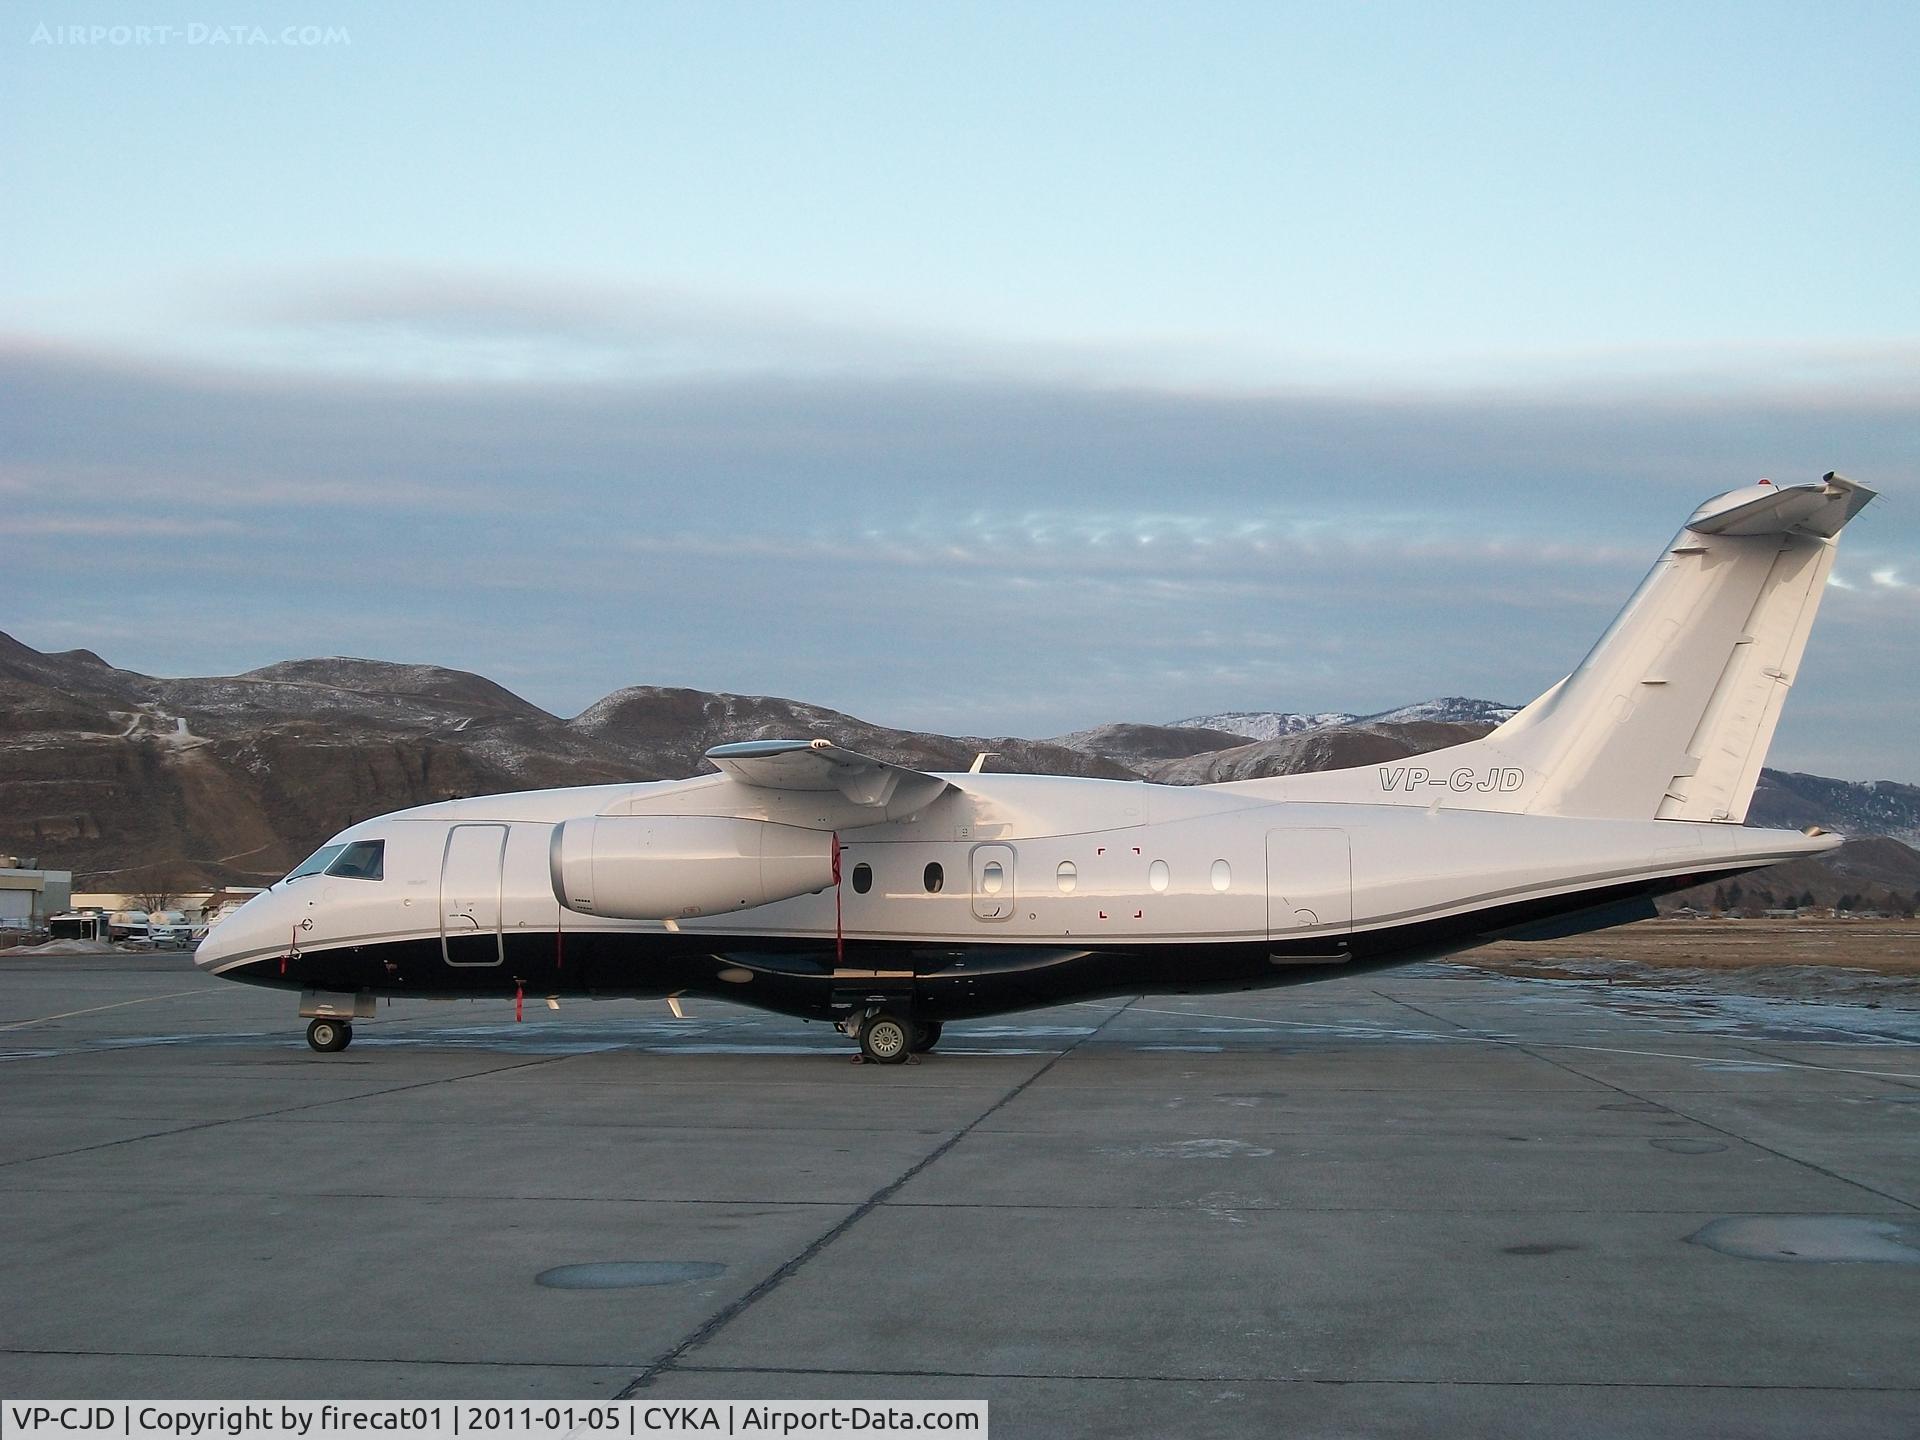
pixel 807 879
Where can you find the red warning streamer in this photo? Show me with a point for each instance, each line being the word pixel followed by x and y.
pixel 839 933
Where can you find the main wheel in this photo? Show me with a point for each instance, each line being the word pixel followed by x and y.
pixel 885 1039
pixel 926 1035
pixel 328 1036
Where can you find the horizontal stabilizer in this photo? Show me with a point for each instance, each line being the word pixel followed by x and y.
pixel 1767 509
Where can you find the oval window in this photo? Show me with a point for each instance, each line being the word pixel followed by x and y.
pixel 992 878
pixel 862 878
pixel 1222 875
pixel 934 878
pixel 1068 875
pixel 1157 876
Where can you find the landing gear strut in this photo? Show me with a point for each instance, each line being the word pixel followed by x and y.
pixel 328 1036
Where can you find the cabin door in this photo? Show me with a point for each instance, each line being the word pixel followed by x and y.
pixel 470 882
pixel 1309 886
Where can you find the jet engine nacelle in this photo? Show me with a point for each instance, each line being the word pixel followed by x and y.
pixel 664 867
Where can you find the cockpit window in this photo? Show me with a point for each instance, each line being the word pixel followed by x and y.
pixel 316 862
pixel 362 860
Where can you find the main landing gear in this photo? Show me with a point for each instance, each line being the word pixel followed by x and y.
pixel 888 1038
pixel 328 1036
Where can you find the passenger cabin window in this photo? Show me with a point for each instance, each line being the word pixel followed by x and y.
pixel 1222 875
pixel 934 878
pixel 316 862
pixel 862 878
pixel 362 860
pixel 1068 875
pixel 993 879
pixel 1157 876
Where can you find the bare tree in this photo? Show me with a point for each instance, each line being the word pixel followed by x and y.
pixel 155 898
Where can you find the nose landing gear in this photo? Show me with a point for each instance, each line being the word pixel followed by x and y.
pixel 328 1036
pixel 332 1014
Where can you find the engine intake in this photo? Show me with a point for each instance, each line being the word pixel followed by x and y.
pixel 665 867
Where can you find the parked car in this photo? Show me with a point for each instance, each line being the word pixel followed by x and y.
pixel 128 925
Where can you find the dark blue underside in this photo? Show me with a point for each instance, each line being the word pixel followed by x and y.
pixel 936 982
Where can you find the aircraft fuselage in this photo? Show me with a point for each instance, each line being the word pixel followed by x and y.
pixel 1007 892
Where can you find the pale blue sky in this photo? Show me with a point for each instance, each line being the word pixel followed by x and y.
pixel 997 368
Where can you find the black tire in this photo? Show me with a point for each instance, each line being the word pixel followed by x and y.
pixel 886 1039
pixel 926 1035
pixel 329 1036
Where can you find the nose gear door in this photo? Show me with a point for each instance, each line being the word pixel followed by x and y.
pixel 470 883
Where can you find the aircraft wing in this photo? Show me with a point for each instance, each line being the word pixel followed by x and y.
pixel 820 765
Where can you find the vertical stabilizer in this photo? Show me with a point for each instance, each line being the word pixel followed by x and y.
pixel 1671 713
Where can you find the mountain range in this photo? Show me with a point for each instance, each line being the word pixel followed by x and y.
pixel 1278 724
pixel 134 781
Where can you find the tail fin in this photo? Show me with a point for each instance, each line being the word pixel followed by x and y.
pixel 1671 713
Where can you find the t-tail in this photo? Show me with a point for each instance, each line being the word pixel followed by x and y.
pixel 1670 714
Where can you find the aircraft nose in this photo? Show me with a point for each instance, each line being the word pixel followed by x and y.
pixel 249 933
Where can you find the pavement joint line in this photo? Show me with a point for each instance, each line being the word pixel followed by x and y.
pixel 1374 1032
pixel 436 1195
pixel 1618 1089
pixel 1296 1379
pixel 270 1114
pixel 1031 1375
pixel 316 1359
pixel 1752 1047
pixel 728 1314
pixel 117 1005
pixel 1174 1207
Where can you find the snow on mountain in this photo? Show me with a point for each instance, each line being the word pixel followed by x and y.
pixel 1279 724
pixel 1448 710
pixel 1264 724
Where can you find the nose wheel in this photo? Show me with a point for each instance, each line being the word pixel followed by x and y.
pixel 328 1036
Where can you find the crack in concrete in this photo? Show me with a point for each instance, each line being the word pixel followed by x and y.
pixel 726 1316
pixel 1618 1089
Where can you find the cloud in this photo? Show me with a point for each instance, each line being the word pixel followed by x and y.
pixel 128 527
pixel 982 552
pixel 402 321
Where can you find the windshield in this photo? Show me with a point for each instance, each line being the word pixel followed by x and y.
pixel 315 862
pixel 362 860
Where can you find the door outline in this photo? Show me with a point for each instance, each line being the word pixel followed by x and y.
pixel 996 905
pixel 1315 864
pixel 472 910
